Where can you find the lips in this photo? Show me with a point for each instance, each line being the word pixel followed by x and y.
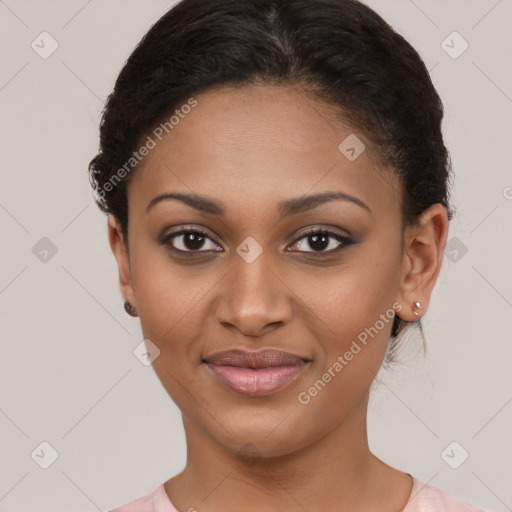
pixel 256 373
pixel 267 358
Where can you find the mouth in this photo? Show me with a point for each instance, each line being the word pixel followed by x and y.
pixel 256 373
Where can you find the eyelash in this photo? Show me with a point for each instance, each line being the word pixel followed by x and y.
pixel 344 241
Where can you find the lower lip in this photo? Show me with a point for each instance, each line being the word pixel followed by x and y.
pixel 258 381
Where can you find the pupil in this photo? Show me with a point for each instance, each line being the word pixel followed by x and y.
pixel 193 240
pixel 319 242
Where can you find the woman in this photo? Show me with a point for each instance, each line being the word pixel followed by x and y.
pixel 276 185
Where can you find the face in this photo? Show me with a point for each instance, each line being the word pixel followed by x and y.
pixel 252 261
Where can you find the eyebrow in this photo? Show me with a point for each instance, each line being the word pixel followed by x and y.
pixel 287 207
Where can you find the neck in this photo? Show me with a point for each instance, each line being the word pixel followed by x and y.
pixel 337 468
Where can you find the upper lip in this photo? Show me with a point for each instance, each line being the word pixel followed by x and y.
pixel 261 359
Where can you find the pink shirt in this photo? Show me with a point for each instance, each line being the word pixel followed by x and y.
pixel 424 498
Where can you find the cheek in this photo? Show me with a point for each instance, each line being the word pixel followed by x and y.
pixel 348 300
pixel 172 314
pixel 165 298
pixel 338 389
pixel 350 352
pixel 355 306
pixel 174 304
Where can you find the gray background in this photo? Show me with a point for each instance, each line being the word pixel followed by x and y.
pixel 68 375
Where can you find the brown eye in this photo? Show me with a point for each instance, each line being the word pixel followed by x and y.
pixel 321 241
pixel 190 241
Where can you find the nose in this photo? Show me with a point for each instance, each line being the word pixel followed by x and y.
pixel 253 299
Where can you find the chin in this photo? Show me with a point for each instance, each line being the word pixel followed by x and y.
pixel 265 435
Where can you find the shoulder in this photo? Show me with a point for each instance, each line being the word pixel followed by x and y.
pixel 157 501
pixel 427 498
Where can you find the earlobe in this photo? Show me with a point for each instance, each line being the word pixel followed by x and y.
pixel 424 245
pixel 120 251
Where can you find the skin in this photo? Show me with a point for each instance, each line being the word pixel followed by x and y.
pixel 251 148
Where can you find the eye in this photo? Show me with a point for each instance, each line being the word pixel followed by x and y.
pixel 321 241
pixel 190 240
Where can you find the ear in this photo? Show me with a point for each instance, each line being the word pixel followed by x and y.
pixel 424 245
pixel 120 251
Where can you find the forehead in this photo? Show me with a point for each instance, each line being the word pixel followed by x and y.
pixel 251 147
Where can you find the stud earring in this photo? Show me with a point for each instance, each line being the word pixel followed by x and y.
pixel 417 305
pixel 129 308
